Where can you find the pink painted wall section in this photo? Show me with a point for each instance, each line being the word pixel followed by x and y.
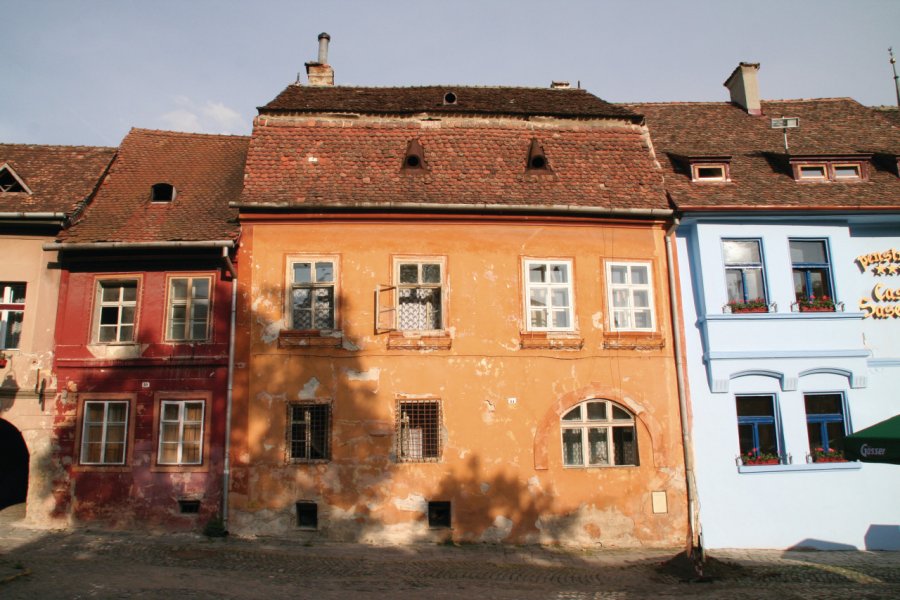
pixel 142 491
pixel 502 390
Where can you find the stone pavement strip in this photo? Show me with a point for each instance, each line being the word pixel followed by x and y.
pixel 86 563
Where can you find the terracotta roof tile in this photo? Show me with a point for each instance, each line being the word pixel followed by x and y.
pixel 568 102
pixel 340 162
pixel 61 178
pixel 206 170
pixel 760 168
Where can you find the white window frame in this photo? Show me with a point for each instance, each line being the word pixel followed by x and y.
pixel 105 423
pixel 630 288
pixel 549 287
pixel 180 422
pixel 696 168
pixel 120 304
pixel 820 167
pixel 313 285
pixel 10 308
pixel 584 425
pixel 855 166
pixel 189 303
pixel 440 288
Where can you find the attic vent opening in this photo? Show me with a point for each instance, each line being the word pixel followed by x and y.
pixel 449 98
pixel 415 156
pixel 9 182
pixel 162 192
pixel 537 160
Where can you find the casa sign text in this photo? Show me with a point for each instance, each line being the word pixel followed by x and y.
pixel 884 302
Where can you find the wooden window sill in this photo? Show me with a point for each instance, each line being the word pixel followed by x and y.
pixel 415 340
pixel 633 340
pixel 550 340
pixel 296 338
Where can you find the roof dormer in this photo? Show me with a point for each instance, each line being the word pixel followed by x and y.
pixel 846 168
pixel 162 192
pixel 10 182
pixel 710 169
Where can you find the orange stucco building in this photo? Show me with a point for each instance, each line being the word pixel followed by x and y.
pixel 453 321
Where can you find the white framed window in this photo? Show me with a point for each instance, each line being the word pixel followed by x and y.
pixel 630 291
pixel 181 432
pixel 549 297
pixel 12 313
pixel 598 433
pixel 116 307
pixel 418 431
pixel 313 293
pixel 188 309
pixel 104 432
pixel 847 171
pixel 709 172
pixel 420 294
pixel 814 172
pixel 309 432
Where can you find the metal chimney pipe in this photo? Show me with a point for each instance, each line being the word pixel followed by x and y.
pixel 324 38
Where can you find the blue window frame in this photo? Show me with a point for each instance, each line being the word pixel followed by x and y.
pixel 825 422
pixel 757 425
pixel 811 266
pixel 744 272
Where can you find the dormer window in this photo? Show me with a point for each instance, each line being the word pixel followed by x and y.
pixel 450 98
pixel 813 172
pixel 415 156
pixel 537 160
pixel 830 168
pixel 10 182
pixel 162 192
pixel 710 169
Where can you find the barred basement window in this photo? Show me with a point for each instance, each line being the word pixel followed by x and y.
pixel 307 515
pixel 189 507
pixel 309 432
pixel 418 431
pixel 439 514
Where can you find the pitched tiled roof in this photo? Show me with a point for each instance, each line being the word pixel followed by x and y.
pixel 513 101
pixel 351 163
pixel 61 178
pixel 760 169
pixel 206 171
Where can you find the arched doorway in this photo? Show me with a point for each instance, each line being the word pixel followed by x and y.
pixel 13 465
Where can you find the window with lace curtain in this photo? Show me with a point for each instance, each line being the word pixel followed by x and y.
pixel 419 293
pixel 598 433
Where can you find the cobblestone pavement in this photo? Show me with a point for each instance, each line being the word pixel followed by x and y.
pixel 99 564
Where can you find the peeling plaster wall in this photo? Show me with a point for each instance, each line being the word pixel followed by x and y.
pixel 27 382
pixel 140 493
pixel 501 459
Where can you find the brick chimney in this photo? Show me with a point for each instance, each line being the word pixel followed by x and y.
pixel 319 72
pixel 744 88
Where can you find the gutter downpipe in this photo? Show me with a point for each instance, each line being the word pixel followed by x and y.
pixel 226 468
pixel 693 527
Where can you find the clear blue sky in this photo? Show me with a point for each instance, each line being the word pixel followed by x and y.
pixel 84 72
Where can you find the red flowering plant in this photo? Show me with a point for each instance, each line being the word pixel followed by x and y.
pixel 815 304
pixel 755 457
pixel 745 306
pixel 829 455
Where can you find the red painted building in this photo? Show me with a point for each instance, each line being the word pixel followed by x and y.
pixel 143 334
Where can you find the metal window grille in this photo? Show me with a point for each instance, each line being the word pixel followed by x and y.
pixel 419 431
pixel 309 432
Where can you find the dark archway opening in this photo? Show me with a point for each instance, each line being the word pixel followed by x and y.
pixel 13 465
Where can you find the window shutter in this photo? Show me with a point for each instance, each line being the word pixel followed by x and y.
pixel 385 308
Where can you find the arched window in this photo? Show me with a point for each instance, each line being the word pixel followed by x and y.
pixel 598 433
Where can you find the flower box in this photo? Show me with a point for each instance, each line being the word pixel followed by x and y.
pixel 814 304
pixel 820 455
pixel 750 310
pixel 829 460
pixel 816 308
pixel 752 462
pixel 757 305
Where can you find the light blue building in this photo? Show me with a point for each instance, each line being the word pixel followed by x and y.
pixel 789 259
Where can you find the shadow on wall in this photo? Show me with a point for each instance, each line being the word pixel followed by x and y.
pixel 364 493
